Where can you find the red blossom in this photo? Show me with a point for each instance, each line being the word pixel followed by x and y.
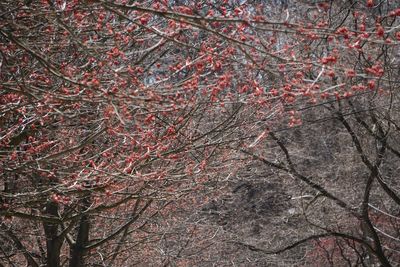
pixel 371 84
pixel 395 13
pixel 376 70
pixel 329 59
pixel 380 31
pixel 350 73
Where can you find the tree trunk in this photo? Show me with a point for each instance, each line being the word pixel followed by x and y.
pixel 53 241
pixel 78 250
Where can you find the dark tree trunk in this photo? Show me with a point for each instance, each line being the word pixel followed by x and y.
pixel 53 240
pixel 78 250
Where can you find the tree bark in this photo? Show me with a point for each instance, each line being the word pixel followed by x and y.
pixel 78 250
pixel 53 241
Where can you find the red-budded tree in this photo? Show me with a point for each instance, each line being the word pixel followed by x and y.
pixel 114 114
pixel 339 151
pixel 110 110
